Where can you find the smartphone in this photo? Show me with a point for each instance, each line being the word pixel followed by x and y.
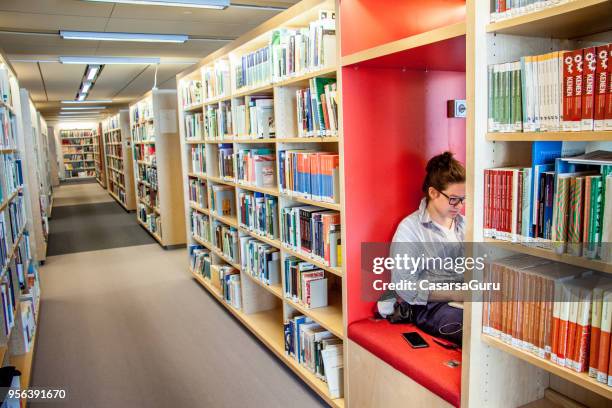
pixel 415 340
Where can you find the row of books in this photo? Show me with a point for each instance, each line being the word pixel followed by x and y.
pixel 305 283
pixel 12 222
pixel 115 150
pixel 225 162
pixel 191 93
pixel 313 232
pixel 317 108
pixel 561 206
pixel 217 122
pixel 198 192
pixel 6 93
pixel 256 167
pixel 8 303
pixel 144 152
pixel 222 200
pixel 151 219
pixel 77 134
pixel 200 226
pixel 112 123
pixel 117 178
pixel 142 111
pixel 79 157
pixel 310 174
pixel 260 260
pixel 224 278
pixel 77 149
pixel 298 51
pixel 72 143
pixel 226 239
pixel 253 118
pixel 194 126
pixel 198 159
pixel 561 90
pixel 258 213
pixel 215 83
pixel 556 311
pixel 8 129
pixel 503 9
pixel 290 52
pixel 144 132
pixel 148 174
pixel 147 195
pixel 316 349
pixel 11 175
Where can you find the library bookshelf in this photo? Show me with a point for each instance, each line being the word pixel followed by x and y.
pixel 118 158
pixel 32 151
pixel 155 153
pixel 78 152
pixel 99 157
pixel 265 308
pixel 46 194
pixel 493 370
pixel 19 150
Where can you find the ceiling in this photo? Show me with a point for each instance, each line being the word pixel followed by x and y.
pixel 29 36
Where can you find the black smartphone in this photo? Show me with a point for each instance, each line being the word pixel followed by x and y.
pixel 415 340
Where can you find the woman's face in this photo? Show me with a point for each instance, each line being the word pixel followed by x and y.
pixel 448 203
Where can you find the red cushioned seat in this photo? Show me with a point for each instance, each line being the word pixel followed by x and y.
pixel 425 366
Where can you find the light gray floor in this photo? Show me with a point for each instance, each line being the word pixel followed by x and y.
pixel 128 327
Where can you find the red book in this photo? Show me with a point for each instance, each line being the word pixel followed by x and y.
pixel 578 88
pixel 604 338
pixel 601 86
pixel 588 92
pixel 608 124
pixel 568 89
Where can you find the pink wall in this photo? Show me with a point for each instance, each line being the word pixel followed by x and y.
pixel 368 23
pixel 394 122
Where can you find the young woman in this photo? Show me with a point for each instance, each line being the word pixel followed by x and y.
pixel 434 233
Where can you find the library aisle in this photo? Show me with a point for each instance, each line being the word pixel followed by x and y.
pixel 128 327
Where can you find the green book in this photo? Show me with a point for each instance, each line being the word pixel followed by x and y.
pixel 594 228
pixel 490 89
pixel 574 232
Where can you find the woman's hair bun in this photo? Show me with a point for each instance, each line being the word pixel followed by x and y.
pixel 440 162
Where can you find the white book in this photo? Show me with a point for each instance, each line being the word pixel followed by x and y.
pixel 334 371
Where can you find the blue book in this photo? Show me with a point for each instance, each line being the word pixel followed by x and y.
pixel 543 155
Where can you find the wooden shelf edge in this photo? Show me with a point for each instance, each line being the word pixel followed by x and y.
pixel 604 135
pixel 543 14
pixel 581 379
pixel 314 314
pixel 549 254
pixel 153 234
pixel 275 290
pixel 323 204
pixel 276 347
pixel 212 248
pixel 418 40
pixel 336 271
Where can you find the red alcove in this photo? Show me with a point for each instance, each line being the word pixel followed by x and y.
pixel 369 23
pixel 395 119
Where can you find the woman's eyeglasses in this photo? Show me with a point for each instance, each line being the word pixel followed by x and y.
pixel 454 201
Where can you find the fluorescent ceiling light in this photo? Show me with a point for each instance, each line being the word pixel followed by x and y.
pixel 85 87
pixel 79 113
pixel 82 97
pixel 83 107
pixel 138 37
pixel 98 101
pixel 93 71
pixel 108 60
pixel 211 4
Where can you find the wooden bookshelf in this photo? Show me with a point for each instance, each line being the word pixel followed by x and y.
pixel 85 143
pixel 531 249
pixel 270 298
pixel 581 379
pixel 494 371
pixel 100 164
pixel 264 326
pixel 118 159
pixel 29 131
pixel 153 129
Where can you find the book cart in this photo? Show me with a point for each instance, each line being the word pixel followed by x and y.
pixel 264 307
pixel 493 370
pixel 78 152
pixel 118 157
pixel 98 149
pixel 19 179
pixel 156 152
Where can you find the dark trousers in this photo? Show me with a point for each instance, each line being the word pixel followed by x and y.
pixel 440 320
